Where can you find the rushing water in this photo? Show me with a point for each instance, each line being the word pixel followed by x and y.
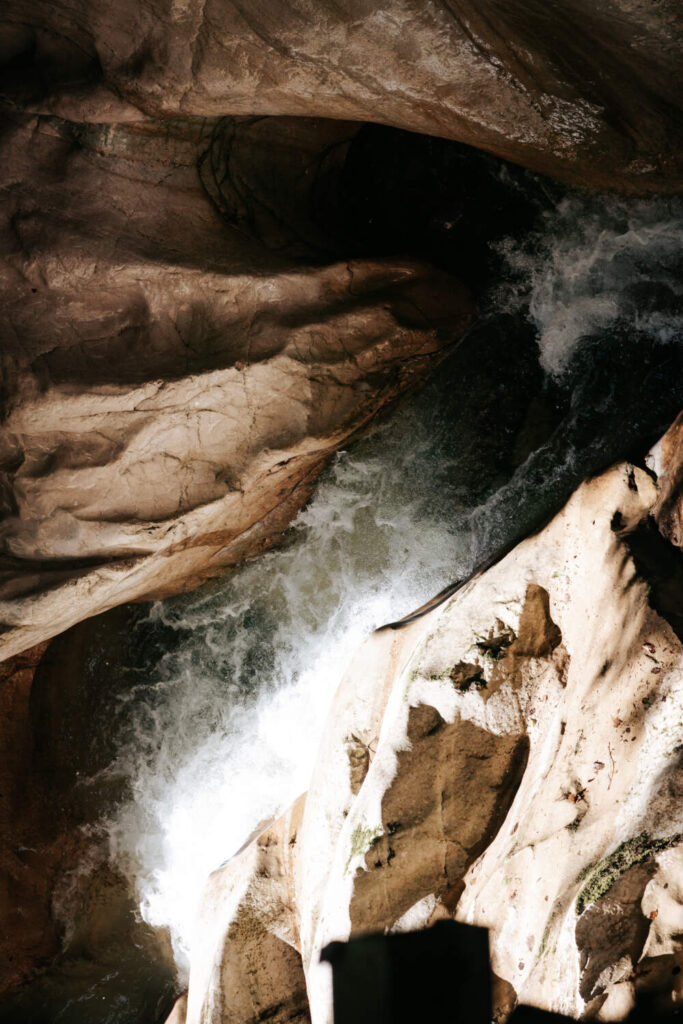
pixel 604 267
pixel 225 732
pixel 576 362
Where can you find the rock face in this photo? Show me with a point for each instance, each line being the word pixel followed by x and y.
pixel 513 759
pixel 261 944
pixel 583 90
pixel 65 913
pixel 26 875
pixel 171 388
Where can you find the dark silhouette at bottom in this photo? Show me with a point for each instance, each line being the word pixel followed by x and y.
pixel 439 974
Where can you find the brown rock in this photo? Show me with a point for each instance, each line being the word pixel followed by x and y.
pixel 584 90
pixel 538 635
pixel 28 933
pixel 61 899
pixel 172 388
pixel 452 791
pixel 178 1014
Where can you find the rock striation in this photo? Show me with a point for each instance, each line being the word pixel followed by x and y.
pixel 583 90
pixel 512 759
pixel 171 387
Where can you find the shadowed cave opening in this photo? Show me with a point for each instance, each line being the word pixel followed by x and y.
pixel 178 720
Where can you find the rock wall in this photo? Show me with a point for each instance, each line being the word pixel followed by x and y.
pixel 513 759
pixel 171 387
pixel 67 917
pixel 26 874
pixel 580 89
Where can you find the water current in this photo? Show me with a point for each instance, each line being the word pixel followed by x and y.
pixel 224 733
pixel 575 362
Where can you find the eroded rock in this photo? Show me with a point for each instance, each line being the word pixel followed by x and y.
pixel 67 916
pixel 583 90
pixel 544 805
pixel 172 388
pixel 254 970
pixel 27 874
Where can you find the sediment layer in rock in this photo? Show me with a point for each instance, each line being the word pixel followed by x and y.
pixel 580 89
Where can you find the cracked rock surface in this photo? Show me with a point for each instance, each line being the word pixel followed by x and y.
pixel 540 798
pixel 171 387
pixel 585 90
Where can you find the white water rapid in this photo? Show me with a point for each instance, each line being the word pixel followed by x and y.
pixel 592 261
pixel 225 732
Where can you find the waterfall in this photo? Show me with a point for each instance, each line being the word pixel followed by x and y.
pixel 223 731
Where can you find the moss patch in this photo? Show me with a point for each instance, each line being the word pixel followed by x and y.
pixel 361 841
pixel 600 878
pixel 542 949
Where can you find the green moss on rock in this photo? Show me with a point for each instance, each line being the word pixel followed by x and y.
pixel 600 878
pixel 361 841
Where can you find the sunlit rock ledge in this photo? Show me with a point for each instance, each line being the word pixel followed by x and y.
pixel 513 759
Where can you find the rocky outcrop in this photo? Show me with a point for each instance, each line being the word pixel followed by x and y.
pixel 171 388
pixel 513 759
pixel 253 970
pixel 667 462
pixel 178 360
pixel 579 89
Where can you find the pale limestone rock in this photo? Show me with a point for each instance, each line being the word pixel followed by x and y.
pixel 246 963
pixel 539 798
pixel 666 459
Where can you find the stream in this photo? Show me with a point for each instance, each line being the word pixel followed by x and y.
pixel 214 721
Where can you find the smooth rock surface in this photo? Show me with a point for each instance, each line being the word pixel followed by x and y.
pixel 171 388
pixel 513 758
pixel 584 90
pixel 252 971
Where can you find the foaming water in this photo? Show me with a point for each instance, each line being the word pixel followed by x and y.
pixel 596 261
pixel 223 732
pixel 226 734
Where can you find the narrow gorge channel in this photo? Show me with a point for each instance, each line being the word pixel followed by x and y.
pixel 341 511
pixel 203 713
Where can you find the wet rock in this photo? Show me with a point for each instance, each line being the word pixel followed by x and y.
pixel 28 934
pixel 545 806
pixel 254 970
pixel 172 388
pixel 585 91
pixel 68 921
pixel 666 460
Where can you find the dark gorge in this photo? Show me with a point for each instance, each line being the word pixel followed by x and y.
pixel 310 314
